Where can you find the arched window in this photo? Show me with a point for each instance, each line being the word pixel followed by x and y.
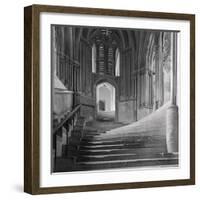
pixel 94 58
pixel 117 62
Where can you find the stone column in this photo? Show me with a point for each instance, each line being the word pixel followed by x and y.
pixel 158 72
pixel 53 75
pixel 54 52
pixel 172 111
pixel 161 77
pixel 147 88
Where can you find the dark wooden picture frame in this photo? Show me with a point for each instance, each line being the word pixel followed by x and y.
pixel 32 100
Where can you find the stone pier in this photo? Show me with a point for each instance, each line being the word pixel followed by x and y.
pixel 172 111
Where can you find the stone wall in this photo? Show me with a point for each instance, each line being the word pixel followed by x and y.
pixel 143 112
pixel 62 102
pixel 62 99
pixel 126 111
pixel 87 107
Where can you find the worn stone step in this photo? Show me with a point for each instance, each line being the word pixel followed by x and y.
pixel 121 146
pixel 73 164
pixel 122 156
pixel 91 134
pixel 124 161
pixel 93 141
pixel 149 162
pixel 123 140
pixel 150 150
pixel 106 136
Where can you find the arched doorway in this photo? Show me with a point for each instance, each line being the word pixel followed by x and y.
pixel 105 101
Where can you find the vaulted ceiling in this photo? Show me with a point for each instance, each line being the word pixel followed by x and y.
pixel 125 37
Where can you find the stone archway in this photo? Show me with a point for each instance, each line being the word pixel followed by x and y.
pixel 105 101
pixel 111 84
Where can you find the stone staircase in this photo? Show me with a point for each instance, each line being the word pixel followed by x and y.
pixel 108 145
pixel 136 151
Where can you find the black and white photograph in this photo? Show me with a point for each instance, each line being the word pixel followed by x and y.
pixel 109 99
pixel 114 98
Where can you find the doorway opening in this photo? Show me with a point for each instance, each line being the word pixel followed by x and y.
pixel 105 101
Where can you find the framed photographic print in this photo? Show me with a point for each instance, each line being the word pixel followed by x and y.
pixel 109 99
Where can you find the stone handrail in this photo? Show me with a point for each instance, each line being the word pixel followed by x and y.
pixel 69 118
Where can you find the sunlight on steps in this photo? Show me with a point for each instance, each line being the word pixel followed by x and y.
pixel 154 123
